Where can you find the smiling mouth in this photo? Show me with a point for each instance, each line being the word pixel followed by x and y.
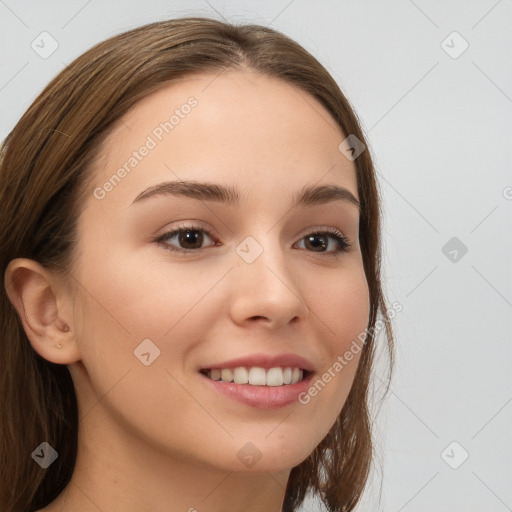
pixel 257 376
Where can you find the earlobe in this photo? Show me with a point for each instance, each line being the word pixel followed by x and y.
pixel 30 289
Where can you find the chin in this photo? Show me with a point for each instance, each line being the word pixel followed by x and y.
pixel 266 456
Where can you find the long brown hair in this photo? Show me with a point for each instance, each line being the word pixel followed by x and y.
pixel 45 163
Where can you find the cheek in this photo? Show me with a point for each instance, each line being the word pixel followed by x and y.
pixel 342 313
pixel 124 303
pixel 129 298
pixel 343 306
pixel 138 298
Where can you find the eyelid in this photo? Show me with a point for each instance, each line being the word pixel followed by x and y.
pixel 186 226
pixel 335 233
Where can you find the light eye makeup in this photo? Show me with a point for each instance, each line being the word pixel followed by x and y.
pixel 190 234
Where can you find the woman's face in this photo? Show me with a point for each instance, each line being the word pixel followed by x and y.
pixel 252 274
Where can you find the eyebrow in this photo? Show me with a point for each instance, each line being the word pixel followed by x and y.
pixel 205 191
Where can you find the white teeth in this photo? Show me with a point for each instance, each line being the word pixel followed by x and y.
pixel 226 375
pixel 257 376
pixel 241 375
pixel 275 377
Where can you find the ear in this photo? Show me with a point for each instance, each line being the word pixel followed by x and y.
pixel 34 294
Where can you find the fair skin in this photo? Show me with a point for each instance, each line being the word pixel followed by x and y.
pixel 157 438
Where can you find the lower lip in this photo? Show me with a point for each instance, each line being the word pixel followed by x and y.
pixel 261 397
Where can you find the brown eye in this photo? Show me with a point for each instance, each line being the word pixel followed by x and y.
pixel 188 238
pixel 319 242
pixel 192 238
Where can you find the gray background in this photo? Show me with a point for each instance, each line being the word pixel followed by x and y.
pixel 439 123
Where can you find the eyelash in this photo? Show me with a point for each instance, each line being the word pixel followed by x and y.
pixel 334 233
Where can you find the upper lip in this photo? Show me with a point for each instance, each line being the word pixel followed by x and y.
pixel 265 361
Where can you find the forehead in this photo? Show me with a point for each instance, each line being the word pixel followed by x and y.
pixel 238 128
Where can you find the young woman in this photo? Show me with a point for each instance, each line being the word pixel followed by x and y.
pixel 189 242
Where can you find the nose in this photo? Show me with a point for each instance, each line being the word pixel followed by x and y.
pixel 267 291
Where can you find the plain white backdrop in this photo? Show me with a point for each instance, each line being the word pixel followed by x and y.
pixel 432 85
